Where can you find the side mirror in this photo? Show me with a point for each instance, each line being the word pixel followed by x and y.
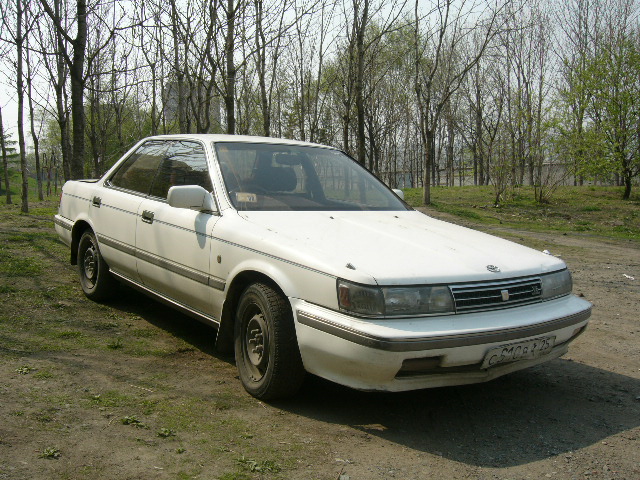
pixel 191 196
pixel 399 193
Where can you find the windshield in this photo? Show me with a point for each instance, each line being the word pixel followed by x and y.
pixel 285 177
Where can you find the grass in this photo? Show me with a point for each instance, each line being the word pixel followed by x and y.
pixel 591 210
pixel 12 265
pixel 15 188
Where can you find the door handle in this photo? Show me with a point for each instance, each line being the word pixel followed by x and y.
pixel 147 216
pixel 96 202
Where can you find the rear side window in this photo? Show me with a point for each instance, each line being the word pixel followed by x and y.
pixel 184 163
pixel 137 172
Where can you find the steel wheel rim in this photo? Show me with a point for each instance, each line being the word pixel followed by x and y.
pixel 90 267
pixel 256 346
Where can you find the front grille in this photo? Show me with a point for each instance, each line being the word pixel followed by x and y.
pixel 490 296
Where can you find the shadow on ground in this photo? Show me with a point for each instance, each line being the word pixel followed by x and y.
pixel 200 335
pixel 517 419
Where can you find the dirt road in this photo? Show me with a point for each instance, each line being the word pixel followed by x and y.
pixel 131 390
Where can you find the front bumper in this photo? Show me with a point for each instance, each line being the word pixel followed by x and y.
pixel 407 354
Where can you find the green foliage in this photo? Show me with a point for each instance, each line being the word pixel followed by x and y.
pixel 44 374
pixel 166 433
pixel 9 145
pixel 133 421
pixel 254 466
pixel 115 344
pixel 601 105
pixel 51 453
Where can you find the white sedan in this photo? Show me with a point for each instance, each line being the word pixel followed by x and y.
pixel 306 262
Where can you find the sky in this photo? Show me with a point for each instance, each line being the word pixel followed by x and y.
pixel 9 110
pixel 9 104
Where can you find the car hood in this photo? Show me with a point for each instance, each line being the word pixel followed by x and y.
pixel 392 248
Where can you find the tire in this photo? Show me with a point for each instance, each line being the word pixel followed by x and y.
pixel 97 282
pixel 266 347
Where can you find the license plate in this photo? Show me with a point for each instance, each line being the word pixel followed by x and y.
pixel 518 351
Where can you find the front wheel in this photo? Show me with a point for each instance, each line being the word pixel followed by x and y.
pixel 266 348
pixel 96 281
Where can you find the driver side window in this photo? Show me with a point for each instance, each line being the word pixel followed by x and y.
pixel 184 163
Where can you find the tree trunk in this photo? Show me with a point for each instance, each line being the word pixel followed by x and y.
pixel 36 143
pixel 77 90
pixel 450 152
pixel 77 118
pixel 230 81
pixel 627 187
pixel 261 69
pixel 429 150
pixel 5 162
pixel 345 131
pixel 478 150
pixel 94 119
pixel 20 91
pixel 154 107
pixel 178 69
pixel 62 116
pixel 359 83
pixel 34 136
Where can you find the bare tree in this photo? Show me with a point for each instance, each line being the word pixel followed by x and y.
pixel 51 44
pixel 363 40
pixel 439 70
pixel 14 33
pixel 151 47
pixel 180 52
pixel 270 31
pixel 233 10
pixel 360 22
pixel 75 61
pixel 19 41
pixel 30 93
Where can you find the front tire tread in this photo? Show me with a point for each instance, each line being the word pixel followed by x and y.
pixel 284 373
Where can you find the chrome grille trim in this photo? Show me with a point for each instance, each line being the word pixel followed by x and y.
pixel 495 295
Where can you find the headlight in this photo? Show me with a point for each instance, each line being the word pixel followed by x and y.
pixel 556 284
pixel 394 301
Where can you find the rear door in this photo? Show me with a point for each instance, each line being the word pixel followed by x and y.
pixel 114 209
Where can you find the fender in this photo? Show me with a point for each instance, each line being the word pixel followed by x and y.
pixel 270 270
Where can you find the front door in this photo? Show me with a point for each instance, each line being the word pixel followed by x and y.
pixel 173 245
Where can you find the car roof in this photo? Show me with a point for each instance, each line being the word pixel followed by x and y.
pixel 212 137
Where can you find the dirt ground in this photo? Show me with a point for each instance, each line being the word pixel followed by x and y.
pixel 132 390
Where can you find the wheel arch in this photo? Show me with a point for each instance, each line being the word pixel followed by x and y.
pixel 78 229
pixel 224 338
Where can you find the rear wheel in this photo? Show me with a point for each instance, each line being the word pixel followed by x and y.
pixel 96 281
pixel 266 348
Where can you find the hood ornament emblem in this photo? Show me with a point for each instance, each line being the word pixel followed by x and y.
pixel 493 268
